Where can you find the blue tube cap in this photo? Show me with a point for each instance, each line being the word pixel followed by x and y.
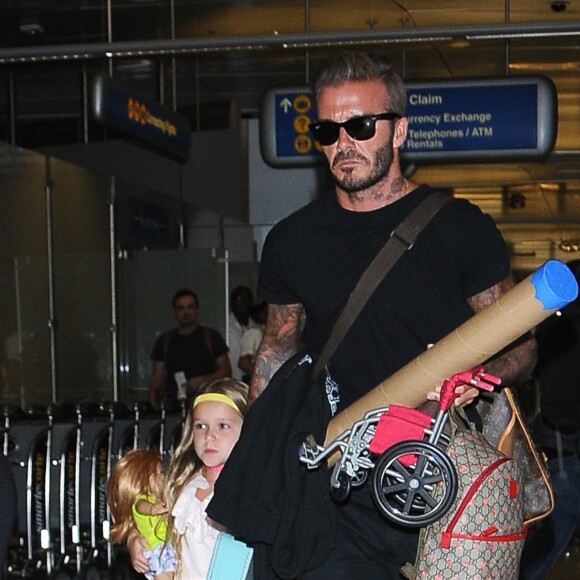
pixel 555 285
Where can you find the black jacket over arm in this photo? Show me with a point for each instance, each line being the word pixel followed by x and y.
pixel 264 495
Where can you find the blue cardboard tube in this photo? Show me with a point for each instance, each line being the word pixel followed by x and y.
pixel 555 285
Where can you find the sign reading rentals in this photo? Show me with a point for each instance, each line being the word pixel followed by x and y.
pixel 505 119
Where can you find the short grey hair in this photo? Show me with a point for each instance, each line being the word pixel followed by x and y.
pixel 361 66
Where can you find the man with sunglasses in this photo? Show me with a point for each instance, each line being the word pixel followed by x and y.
pixel 313 259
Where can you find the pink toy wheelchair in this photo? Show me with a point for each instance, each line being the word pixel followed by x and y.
pixel 414 482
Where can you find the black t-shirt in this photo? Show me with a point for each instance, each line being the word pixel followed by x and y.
pixel 193 354
pixel 316 256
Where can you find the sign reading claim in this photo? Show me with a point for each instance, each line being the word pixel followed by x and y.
pixel 488 119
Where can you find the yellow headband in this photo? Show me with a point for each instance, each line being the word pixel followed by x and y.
pixel 216 397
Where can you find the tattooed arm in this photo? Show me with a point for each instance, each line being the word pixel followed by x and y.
pixel 280 342
pixel 516 361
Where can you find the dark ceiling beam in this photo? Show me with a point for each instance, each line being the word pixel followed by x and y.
pixel 103 50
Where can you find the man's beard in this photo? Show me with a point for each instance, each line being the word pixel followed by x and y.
pixel 383 159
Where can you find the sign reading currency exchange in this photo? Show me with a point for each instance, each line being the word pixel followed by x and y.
pixel 477 120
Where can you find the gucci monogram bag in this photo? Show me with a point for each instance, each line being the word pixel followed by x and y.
pixel 483 533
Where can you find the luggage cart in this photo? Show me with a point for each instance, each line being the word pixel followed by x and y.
pixel 123 437
pixel 26 441
pixel 149 426
pixel 64 464
pixel 173 420
pixel 94 467
pixel 404 448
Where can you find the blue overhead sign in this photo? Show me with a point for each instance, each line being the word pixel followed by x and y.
pixel 284 134
pixel 505 119
pixel 122 109
pixel 482 120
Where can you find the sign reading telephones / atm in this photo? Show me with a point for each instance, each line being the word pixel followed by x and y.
pixel 507 119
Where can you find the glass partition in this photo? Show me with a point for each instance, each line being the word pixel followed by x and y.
pixel 70 328
pixel 55 306
pixel 81 259
pixel 24 314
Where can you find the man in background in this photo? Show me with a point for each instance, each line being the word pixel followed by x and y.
pixel 241 302
pixel 187 356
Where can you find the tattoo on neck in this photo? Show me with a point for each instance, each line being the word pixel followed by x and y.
pixel 399 186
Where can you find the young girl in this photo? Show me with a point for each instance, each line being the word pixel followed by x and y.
pixel 134 493
pixel 211 430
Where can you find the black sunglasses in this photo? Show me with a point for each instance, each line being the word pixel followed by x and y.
pixel 359 128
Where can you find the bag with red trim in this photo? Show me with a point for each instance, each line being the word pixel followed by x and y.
pixel 483 533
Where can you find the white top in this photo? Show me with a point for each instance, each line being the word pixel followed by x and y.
pixel 236 331
pixel 251 341
pixel 198 537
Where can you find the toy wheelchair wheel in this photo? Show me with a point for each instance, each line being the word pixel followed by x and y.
pixel 342 491
pixel 414 483
pixel 360 478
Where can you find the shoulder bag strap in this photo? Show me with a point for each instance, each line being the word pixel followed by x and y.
pixel 402 238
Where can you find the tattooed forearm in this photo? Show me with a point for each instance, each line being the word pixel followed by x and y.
pixel 279 343
pixel 486 298
pixel 516 361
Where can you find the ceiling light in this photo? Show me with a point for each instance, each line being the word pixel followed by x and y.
pixel 547 66
pixel 572 245
pixel 31 28
pixel 134 65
